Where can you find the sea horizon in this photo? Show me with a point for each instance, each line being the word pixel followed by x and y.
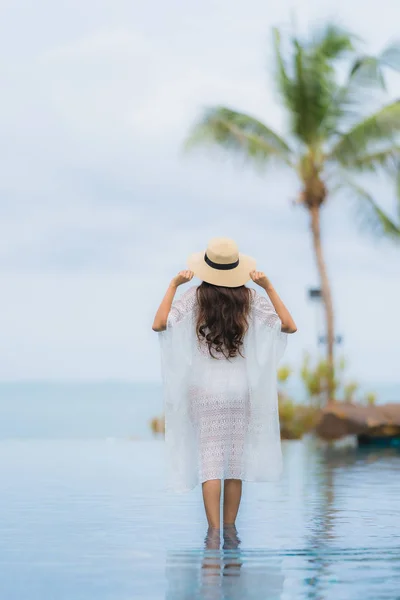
pixel 55 409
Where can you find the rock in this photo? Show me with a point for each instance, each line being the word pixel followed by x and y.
pixel 341 419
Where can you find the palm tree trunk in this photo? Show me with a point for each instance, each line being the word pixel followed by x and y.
pixel 326 296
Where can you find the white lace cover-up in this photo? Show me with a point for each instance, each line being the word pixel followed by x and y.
pixel 221 415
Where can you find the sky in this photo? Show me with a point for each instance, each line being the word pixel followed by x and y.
pixel 100 207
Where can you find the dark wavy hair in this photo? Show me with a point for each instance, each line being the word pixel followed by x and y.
pixel 222 318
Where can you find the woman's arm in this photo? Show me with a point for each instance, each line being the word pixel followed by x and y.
pixel 160 320
pixel 288 324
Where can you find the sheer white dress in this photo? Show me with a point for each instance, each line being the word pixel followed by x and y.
pixel 221 415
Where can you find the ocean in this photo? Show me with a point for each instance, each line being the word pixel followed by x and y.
pixel 46 410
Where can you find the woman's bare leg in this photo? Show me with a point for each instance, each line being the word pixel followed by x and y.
pixel 212 500
pixel 232 496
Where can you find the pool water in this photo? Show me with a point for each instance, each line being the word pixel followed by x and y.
pixel 88 519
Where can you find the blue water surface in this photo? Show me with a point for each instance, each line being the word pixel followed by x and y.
pixel 89 520
pixel 84 514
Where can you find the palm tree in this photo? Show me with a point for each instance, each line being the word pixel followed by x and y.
pixel 333 136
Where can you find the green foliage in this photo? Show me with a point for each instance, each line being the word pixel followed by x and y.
pixel 316 376
pixel 370 216
pixel 296 419
pixel 353 148
pixel 336 128
pixel 241 134
pixel 284 373
pixel 307 80
pixel 332 42
pixel 369 69
pixel 319 378
pixel 370 398
pixel 349 390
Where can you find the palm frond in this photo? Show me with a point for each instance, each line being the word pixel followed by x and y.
pixel 387 160
pixel 293 78
pixel 303 119
pixel 284 81
pixel 307 82
pixel 366 77
pixel 371 217
pixel 343 112
pixel 390 57
pixel 333 42
pixel 368 71
pixel 379 128
pixel 397 181
pixel 344 108
pixel 239 133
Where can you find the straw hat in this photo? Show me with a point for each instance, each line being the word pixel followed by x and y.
pixel 222 264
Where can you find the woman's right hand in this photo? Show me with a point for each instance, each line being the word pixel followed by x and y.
pixel 182 277
pixel 261 279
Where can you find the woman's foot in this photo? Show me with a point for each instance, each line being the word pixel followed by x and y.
pixel 213 538
pixel 231 537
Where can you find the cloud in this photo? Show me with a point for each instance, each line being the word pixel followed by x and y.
pixel 99 208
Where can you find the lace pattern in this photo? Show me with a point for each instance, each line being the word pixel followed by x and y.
pixel 219 422
pixel 263 311
pixel 182 307
pixel 221 415
pixel 261 308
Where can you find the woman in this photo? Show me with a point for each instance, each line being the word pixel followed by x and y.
pixel 220 344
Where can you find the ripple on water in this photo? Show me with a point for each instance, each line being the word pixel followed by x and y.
pixel 89 520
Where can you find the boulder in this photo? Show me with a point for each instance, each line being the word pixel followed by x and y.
pixel 339 419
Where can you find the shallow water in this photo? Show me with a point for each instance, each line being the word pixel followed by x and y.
pixel 89 520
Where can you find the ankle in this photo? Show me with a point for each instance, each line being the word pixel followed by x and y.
pixel 229 525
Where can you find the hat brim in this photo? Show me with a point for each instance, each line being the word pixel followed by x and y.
pixel 229 278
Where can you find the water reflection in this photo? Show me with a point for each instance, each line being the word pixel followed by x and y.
pixel 221 570
pixel 334 458
pixel 331 557
pixel 88 519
